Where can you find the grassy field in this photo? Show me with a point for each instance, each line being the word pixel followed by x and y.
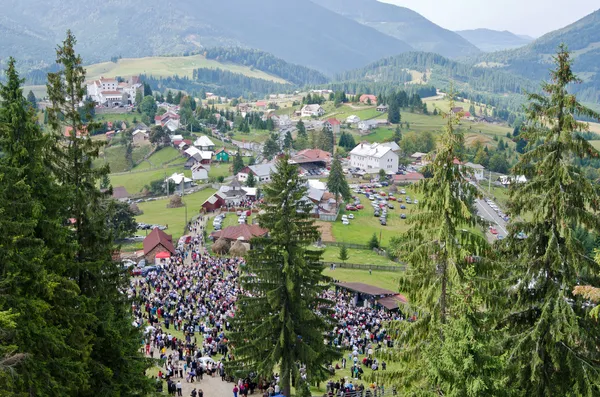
pixel 386 280
pixel 217 170
pixel 156 212
pixel 367 113
pixel 364 224
pixel 169 66
pixel 126 117
pixel 165 155
pixel 253 136
pixel 134 182
pixel 115 157
pixel 363 257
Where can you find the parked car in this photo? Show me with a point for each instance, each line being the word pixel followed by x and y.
pixel 402 207
pixel 391 206
pixel 376 214
pixel 204 361
pixel 402 191
pixel 360 206
pixel 350 208
pixel 382 222
pixel 500 237
pixel 402 216
pixel 148 269
pixel 392 198
pixel 351 216
pixel 345 222
pixel 493 230
pixel 344 217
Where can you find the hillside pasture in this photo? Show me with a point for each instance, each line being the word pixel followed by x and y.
pixel 170 66
pixel 134 182
pixel 114 156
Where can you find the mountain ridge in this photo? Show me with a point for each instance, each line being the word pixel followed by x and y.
pixel 403 24
pixel 488 40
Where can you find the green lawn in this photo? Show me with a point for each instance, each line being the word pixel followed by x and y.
pixel 165 155
pixel 156 212
pixel 169 66
pixel 362 227
pixel 252 136
pixel 230 220
pixel 367 113
pixel 387 280
pixel 220 169
pixel 363 257
pixel 134 182
pixel 115 157
pixel 126 117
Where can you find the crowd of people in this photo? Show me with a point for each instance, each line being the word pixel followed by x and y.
pixel 194 293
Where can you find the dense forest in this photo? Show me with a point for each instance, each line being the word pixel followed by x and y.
pixel 268 63
pixel 221 82
pixel 443 71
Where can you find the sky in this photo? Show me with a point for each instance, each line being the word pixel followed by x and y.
pixel 530 17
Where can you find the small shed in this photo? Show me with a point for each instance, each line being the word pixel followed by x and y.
pixel 222 156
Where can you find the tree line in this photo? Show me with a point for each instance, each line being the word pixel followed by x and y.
pixel 299 75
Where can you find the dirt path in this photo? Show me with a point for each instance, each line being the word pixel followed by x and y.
pixel 325 229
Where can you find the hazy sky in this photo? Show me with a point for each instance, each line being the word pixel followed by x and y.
pixel 532 17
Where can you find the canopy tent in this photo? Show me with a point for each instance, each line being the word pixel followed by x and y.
pixel 163 255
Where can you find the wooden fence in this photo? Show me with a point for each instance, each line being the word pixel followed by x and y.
pixel 375 268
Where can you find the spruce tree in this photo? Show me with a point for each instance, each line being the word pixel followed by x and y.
pixel 251 180
pixel 35 247
pixel 32 100
pixel 238 163
pixel 337 183
pixel 108 330
pixel 552 342
pixel 343 255
pixel 282 320
pixel 301 130
pixel 435 247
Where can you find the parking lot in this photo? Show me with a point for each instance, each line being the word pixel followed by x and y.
pixel 490 211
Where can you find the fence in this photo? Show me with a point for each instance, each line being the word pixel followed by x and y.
pixel 338 244
pixel 380 268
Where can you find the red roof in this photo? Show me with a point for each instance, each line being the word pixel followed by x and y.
pixel 245 231
pixel 409 177
pixel 333 121
pixel 364 97
pixel 261 103
pixel 157 118
pixel 456 161
pixel 111 92
pixel 310 155
pixel 157 237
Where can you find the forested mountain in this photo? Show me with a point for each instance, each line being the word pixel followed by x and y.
pixel 533 61
pixel 266 62
pixel 133 28
pixel 441 71
pixel 494 40
pixel 403 24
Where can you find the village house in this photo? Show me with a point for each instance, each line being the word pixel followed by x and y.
pixel 382 108
pixel 374 157
pixel 222 156
pixel 368 99
pixel 409 177
pixel 180 180
pixel 204 143
pixel 419 158
pixel 199 172
pixel 203 156
pixel 169 120
pixel 262 172
pixel 353 119
pixel 157 242
pixel 333 125
pixel 233 194
pixel 140 138
pixel 242 232
pixel 213 203
pixel 281 121
pixel 475 170
pixel 366 126
pixel 261 105
pixel 312 110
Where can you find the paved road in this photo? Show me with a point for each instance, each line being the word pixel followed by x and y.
pixel 489 214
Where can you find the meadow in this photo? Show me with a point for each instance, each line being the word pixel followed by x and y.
pixel 169 66
pixel 114 156
pixel 156 212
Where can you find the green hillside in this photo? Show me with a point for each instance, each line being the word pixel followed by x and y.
pixel 534 60
pixel 493 40
pixel 171 66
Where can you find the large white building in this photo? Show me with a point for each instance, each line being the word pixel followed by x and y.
pixel 312 110
pixel 109 92
pixel 374 157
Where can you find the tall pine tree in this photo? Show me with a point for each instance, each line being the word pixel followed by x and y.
pixel 100 280
pixel 435 248
pixel 282 320
pixel 553 344
pixel 337 183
